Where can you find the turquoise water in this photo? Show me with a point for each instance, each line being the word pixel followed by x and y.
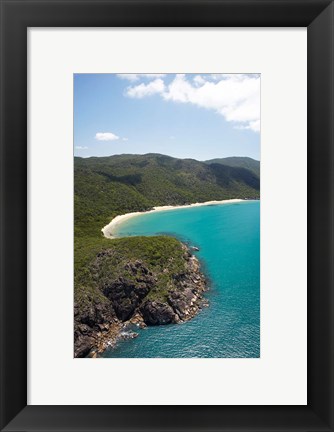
pixel 228 236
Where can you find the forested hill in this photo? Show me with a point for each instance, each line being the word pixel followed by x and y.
pixel 108 186
pixel 239 162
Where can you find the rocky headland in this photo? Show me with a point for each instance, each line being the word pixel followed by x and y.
pixel 163 285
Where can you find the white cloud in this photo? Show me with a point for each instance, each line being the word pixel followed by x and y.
pixel 236 97
pixel 142 90
pixel 199 80
pixel 125 139
pixel 129 77
pixel 218 77
pixel 136 77
pixel 106 136
pixel 81 148
pixel 235 77
pixel 254 125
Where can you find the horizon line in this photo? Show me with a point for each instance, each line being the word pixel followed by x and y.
pixel 162 154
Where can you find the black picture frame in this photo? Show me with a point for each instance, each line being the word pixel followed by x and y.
pixel 16 17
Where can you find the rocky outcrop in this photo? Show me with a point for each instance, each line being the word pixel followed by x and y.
pixel 183 302
pixel 126 293
pixel 131 296
pixel 89 323
pixel 157 313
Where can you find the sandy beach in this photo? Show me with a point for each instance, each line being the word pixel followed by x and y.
pixel 109 229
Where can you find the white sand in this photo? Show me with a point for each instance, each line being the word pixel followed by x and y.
pixel 109 229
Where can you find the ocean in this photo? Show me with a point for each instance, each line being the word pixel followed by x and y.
pixel 228 238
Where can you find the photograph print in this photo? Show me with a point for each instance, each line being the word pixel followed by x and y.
pixel 167 215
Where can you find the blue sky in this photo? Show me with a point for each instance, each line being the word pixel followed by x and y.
pixel 185 116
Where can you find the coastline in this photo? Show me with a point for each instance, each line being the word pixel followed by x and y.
pixel 102 325
pixel 108 229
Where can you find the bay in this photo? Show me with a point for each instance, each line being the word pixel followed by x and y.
pixel 228 238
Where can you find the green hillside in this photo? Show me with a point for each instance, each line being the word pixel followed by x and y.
pixel 108 186
pixel 239 162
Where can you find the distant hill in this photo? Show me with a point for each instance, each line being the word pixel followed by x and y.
pixel 107 186
pixel 240 162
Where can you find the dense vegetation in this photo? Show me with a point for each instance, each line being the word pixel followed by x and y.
pixel 108 186
pixel 105 187
pixel 154 253
pixel 239 162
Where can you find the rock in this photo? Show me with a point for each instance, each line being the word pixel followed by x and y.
pixel 103 327
pixel 138 320
pixel 84 329
pixel 157 313
pixel 82 346
pixel 96 313
pixel 126 293
pixel 128 335
pixel 185 302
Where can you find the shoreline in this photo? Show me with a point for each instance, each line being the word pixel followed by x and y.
pixel 185 299
pixel 108 229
